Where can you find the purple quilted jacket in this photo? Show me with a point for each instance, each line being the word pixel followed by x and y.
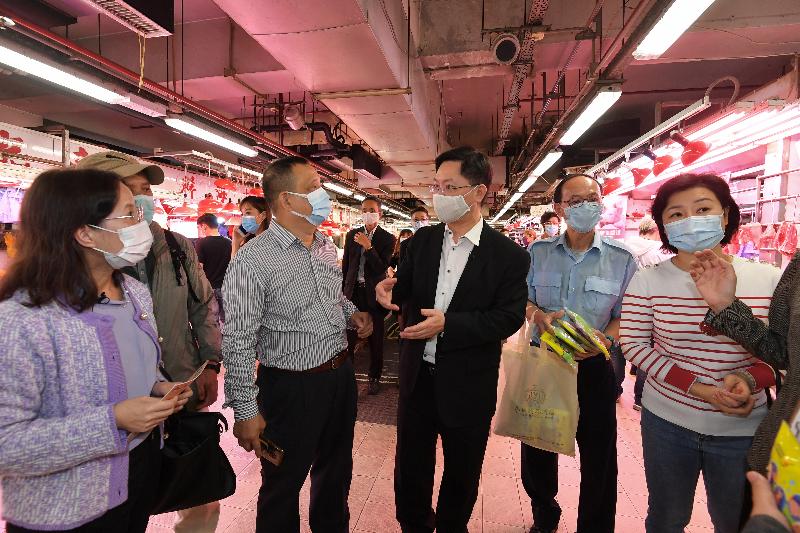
pixel 63 461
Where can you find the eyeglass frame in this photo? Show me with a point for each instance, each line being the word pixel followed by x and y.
pixel 575 202
pixel 136 218
pixel 435 189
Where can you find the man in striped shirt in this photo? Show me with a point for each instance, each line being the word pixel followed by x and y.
pixel 285 308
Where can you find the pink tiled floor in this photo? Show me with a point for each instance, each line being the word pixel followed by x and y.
pixel 502 504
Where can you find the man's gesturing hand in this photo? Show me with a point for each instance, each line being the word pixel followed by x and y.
pixel 383 293
pixel 428 328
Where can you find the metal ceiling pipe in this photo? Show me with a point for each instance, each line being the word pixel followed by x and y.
pixel 643 18
pixel 53 40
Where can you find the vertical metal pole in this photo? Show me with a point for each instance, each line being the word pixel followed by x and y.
pixel 65 148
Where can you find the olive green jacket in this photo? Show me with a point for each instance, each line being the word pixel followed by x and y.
pixel 177 314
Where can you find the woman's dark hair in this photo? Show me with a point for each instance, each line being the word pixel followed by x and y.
pixel 408 233
pixel 547 216
pixel 50 264
pixel 256 201
pixel 685 182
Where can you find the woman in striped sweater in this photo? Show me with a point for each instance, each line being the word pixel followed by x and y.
pixel 704 397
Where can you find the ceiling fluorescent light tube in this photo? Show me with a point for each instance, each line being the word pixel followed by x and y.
pixel 337 188
pixel 602 102
pixel 194 130
pixel 680 15
pixel 144 106
pixel 514 198
pixel 545 164
pixel 359 197
pixel 55 75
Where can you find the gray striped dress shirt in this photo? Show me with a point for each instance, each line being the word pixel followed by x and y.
pixel 283 305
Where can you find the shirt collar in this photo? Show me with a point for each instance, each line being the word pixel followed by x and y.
pixel 287 238
pixel 473 235
pixel 596 243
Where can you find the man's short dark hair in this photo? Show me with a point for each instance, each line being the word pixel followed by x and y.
pixel 373 199
pixel 475 166
pixel 560 187
pixel 278 177
pixel 209 219
pixel 547 216
pixel 684 182
pixel 420 209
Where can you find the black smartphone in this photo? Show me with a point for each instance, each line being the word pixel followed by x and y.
pixel 272 452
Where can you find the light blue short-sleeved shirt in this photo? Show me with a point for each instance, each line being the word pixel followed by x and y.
pixel 591 283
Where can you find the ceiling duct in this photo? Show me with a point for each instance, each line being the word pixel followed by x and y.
pixel 147 18
pixel 506 49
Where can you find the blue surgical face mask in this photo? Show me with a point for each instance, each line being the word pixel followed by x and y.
pixel 249 224
pixel 320 206
pixel 693 234
pixel 551 229
pixel 584 217
pixel 147 204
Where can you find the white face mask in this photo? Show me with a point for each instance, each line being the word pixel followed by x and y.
pixel 451 208
pixel 370 219
pixel 136 242
pixel 417 224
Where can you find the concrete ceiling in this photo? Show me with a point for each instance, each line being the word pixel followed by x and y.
pixel 457 91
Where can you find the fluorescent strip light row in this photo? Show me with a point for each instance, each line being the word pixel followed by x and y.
pixel 602 102
pixel 337 188
pixel 677 19
pixel 46 72
pixel 548 161
pixel 195 130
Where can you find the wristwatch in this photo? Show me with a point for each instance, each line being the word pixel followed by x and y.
pixel 216 367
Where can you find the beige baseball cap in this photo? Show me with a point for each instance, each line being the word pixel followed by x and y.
pixel 123 164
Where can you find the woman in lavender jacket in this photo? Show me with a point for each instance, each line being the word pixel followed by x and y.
pixel 79 393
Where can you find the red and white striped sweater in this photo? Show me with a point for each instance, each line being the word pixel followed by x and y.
pixel 660 333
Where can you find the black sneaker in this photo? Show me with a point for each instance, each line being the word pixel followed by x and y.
pixel 374 387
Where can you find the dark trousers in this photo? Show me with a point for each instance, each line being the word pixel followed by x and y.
pixel 418 426
pixel 597 441
pixel 220 306
pixel 376 339
pixel 311 416
pixel 131 516
pixel 638 388
pixel 618 362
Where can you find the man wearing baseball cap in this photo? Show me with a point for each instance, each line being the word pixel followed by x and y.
pixel 183 302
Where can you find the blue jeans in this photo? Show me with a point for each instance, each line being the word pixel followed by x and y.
pixel 673 459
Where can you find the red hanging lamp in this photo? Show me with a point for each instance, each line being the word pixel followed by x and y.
pixel 660 163
pixel 224 184
pixel 692 150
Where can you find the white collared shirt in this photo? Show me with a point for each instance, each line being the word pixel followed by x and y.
pixel 451 267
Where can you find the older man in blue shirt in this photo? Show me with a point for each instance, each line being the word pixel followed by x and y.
pixel 586 273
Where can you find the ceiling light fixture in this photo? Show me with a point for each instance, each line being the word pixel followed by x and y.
pixel 181 124
pixel 602 102
pixel 337 188
pixel 548 161
pixel 677 19
pixel 359 197
pixel 55 75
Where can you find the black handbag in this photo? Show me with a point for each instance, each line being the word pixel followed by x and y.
pixel 194 468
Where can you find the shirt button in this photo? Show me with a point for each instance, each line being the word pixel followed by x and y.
pixel 143 316
pixel 161 339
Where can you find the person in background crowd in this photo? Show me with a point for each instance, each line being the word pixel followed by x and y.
pixel 256 217
pixel 646 246
pixel 586 273
pixel 80 395
pixel 475 280
pixel 286 310
pixel 404 235
pixel 704 395
pixel 214 253
pixel 647 250
pixel 367 254
pixel 419 219
pixel 529 236
pixel 551 224
pixel 183 301
pixel 741 319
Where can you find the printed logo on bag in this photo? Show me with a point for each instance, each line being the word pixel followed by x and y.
pixel 535 396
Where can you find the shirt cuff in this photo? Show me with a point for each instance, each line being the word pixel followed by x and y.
pixel 680 378
pixel 244 410
pixel 763 375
